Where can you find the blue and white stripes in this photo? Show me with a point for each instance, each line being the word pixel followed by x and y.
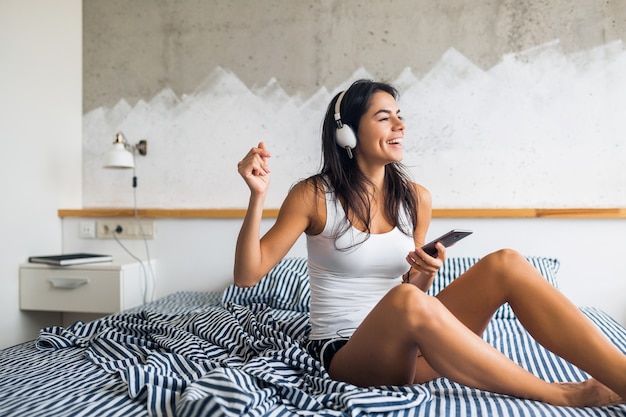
pixel 189 355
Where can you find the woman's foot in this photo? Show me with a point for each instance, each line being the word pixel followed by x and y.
pixel 589 393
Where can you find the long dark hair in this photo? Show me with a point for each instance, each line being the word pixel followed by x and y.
pixel 342 175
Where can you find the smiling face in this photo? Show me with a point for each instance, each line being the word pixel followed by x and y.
pixel 381 130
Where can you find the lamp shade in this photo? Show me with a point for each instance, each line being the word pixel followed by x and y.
pixel 119 157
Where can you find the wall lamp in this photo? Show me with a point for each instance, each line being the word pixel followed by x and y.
pixel 123 154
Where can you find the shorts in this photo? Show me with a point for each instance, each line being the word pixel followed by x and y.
pixel 323 350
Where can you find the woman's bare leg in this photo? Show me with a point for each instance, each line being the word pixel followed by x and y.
pixel 387 347
pixel 384 351
pixel 550 317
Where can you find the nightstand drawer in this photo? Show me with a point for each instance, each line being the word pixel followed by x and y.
pixel 87 288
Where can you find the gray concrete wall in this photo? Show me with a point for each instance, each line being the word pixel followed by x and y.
pixel 508 103
pixel 135 49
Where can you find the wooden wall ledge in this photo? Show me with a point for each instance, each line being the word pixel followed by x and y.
pixel 490 213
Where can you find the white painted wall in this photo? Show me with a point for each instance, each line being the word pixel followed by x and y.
pixel 40 132
pixel 591 252
pixel 198 254
pixel 542 128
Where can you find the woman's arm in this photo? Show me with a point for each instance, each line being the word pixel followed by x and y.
pixel 255 256
pixel 422 266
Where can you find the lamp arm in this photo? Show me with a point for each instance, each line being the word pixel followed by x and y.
pixel 141 146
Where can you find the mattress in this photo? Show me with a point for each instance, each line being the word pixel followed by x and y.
pixel 240 352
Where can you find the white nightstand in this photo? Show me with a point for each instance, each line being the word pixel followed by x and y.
pixel 106 287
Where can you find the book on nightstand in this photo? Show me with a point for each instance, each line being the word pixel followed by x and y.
pixel 70 259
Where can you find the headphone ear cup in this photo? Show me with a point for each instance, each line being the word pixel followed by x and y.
pixel 345 137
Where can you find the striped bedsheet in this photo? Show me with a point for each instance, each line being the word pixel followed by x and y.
pixel 190 355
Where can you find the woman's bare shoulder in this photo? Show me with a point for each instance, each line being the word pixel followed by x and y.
pixel 309 195
pixel 422 194
pixel 307 189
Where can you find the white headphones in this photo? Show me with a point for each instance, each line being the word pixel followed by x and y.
pixel 344 135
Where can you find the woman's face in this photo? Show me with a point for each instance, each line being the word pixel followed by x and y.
pixel 381 130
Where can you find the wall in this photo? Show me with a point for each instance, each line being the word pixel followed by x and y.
pixel 197 254
pixel 40 80
pixel 133 50
pixel 40 164
pixel 508 103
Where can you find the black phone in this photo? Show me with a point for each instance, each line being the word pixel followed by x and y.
pixel 446 240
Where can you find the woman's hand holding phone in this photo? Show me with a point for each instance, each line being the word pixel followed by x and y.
pixel 430 257
pixel 423 262
pixel 447 240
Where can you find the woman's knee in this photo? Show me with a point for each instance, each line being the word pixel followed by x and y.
pixel 503 259
pixel 415 306
pixel 506 267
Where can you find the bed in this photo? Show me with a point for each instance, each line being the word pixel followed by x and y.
pixel 240 352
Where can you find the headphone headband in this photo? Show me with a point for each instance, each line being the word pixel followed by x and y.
pixel 338 111
pixel 344 135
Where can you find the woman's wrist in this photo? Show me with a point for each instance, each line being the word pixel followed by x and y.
pixel 406 277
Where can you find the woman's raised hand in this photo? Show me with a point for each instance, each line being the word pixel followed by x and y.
pixel 254 169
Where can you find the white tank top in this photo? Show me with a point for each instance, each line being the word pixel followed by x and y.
pixel 346 285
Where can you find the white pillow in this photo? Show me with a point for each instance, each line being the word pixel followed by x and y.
pixel 286 286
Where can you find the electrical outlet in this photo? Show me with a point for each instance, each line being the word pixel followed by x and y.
pixel 125 229
pixel 87 230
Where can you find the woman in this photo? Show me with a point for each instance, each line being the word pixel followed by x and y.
pixel 371 321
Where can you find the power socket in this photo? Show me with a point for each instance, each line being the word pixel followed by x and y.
pixel 125 229
pixel 87 230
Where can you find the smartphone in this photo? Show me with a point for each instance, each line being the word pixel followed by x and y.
pixel 446 240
